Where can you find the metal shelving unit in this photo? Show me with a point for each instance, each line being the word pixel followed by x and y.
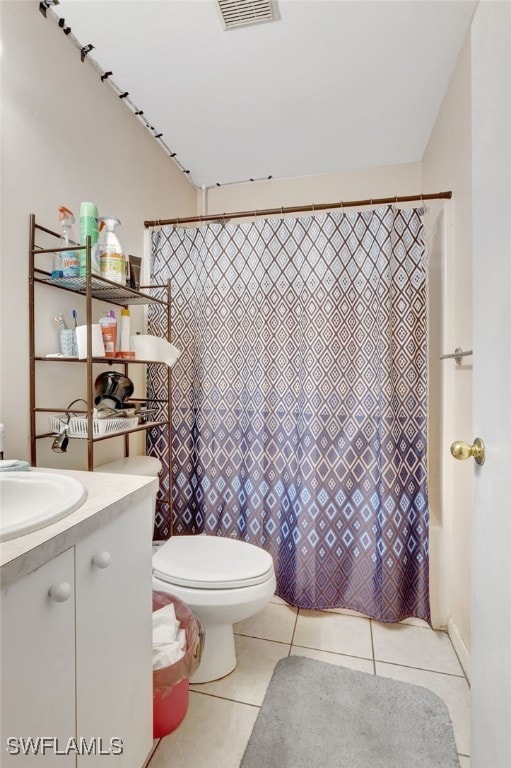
pixel 92 288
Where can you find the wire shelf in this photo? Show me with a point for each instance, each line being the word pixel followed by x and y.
pixel 101 289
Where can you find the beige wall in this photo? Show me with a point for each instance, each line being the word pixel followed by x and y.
pixel 447 163
pixel 305 190
pixel 66 137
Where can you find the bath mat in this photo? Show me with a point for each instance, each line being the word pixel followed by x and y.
pixel 317 715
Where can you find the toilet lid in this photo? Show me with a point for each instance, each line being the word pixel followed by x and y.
pixel 211 562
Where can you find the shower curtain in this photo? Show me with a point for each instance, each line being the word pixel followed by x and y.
pixel 300 400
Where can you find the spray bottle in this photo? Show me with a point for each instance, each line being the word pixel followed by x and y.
pixel 112 259
pixel 66 263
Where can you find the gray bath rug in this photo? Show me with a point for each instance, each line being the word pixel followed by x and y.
pixel 317 715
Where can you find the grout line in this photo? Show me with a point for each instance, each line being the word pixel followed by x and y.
pixel 334 653
pixel 225 698
pixel 459 662
pixel 294 631
pixel 372 646
pixel 152 753
pixel 266 639
pixel 420 669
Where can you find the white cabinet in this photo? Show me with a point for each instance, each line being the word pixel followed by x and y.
pixel 114 638
pixel 38 665
pixel 79 665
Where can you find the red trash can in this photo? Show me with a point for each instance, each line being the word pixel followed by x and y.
pixel 171 684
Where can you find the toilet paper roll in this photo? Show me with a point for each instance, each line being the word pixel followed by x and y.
pixel 148 347
pixel 98 349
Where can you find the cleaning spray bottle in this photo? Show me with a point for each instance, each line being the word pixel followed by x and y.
pixel 112 260
pixel 66 263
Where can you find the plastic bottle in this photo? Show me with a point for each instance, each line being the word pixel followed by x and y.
pixel 112 259
pixel 89 226
pixel 109 332
pixel 124 340
pixel 66 263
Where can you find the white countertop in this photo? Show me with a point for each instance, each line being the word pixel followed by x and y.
pixel 107 497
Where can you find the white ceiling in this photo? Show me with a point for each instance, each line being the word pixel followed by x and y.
pixel 331 86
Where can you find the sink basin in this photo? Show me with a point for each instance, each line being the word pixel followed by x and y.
pixel 33 500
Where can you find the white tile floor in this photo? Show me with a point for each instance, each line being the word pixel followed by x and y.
pixel 221 715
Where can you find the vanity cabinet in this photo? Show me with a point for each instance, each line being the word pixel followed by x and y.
pixel 78 664
pixel 38 663
pixel 114 637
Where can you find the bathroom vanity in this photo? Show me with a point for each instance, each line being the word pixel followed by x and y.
pixel 76 647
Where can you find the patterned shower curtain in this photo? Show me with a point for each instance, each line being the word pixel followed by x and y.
pixel 300 400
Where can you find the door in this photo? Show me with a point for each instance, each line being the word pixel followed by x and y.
pixel 491 181
pixel 38 667
pixel 113 640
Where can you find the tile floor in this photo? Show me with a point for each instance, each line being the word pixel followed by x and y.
pixel 221 715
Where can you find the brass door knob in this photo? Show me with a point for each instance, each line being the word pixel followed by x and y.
pixel 461 450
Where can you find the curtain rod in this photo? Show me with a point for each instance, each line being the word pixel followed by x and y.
pixel 298 209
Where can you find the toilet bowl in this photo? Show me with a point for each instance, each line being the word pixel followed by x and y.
pixel 222 580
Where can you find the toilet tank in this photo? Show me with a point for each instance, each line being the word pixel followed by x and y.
pixel 147 466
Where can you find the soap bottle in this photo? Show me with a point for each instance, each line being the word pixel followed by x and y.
pixel 66 263
pixel 89 226
pixel 112 259
pixel 109 332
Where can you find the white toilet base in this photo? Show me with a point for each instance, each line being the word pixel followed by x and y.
pixel 218 610
pixel 218 654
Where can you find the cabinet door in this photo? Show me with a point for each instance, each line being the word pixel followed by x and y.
pixel 38 667
pixel 114 639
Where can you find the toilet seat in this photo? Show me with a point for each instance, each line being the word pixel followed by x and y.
pixel 211 562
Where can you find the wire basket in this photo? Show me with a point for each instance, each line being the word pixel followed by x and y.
pixel 78 426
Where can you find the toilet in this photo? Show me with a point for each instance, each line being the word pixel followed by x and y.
pixel 222 580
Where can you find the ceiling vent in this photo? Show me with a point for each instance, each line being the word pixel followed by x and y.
pixel 240 13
